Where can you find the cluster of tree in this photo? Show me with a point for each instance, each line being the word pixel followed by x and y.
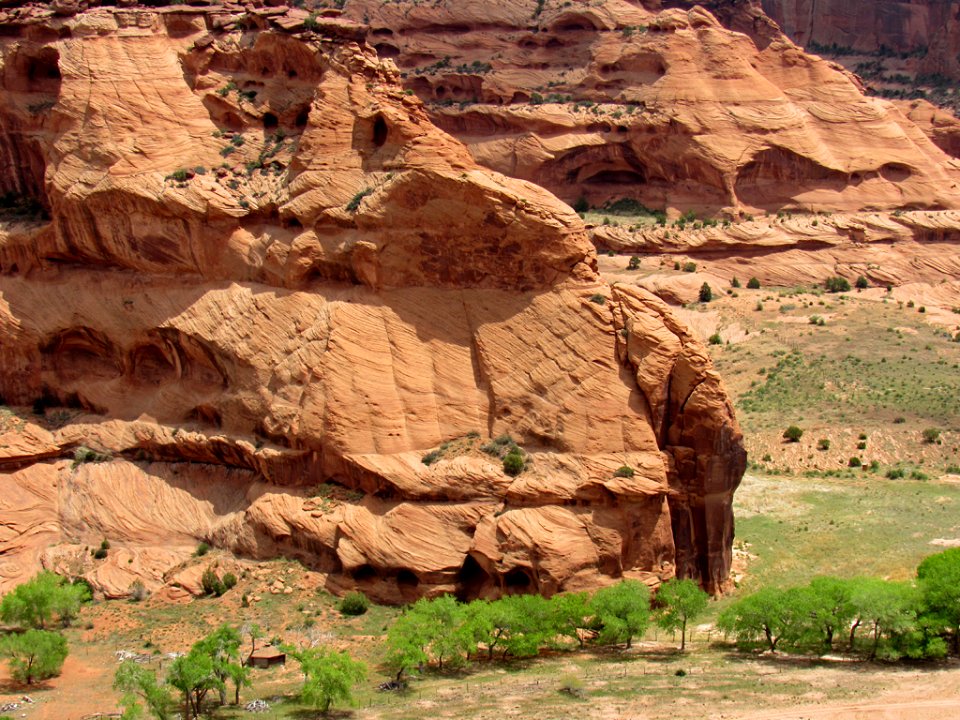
pixel 211 664
pixel 35 652
pixel 879 618
pixel 448 633
pixel 214 663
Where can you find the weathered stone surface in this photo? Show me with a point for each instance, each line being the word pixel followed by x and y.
pixel 267 271
pixel 661 104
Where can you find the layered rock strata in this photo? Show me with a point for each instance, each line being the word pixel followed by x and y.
pixel 663 103
pixel 298 316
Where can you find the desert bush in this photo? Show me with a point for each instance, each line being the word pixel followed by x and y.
pixel 689 267
pixel 513 463
pixel 793 434
pixel 706 293
pixel 624 471
pixel 836 284
pixel 354 603
pixel 823 444
pixel 931 436
pixel 854 462
pixel 862 283
pixel 753 284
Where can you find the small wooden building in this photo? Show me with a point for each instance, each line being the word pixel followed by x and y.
pixel 266 657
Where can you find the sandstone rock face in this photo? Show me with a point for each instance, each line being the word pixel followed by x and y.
pixel 927 30
pixel 661 102
pixel 270 288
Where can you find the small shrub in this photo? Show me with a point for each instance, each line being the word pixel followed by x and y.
pixel 922 309
pixel 689 267
pixel 895 474
pixel 431 457
pixel 753 284
pixel 354 603
pixel 854 462
pixel 931 436
pixel 598 299
pixel 706 294
pixel 211 583
pixel 735 283
pixel 513 463
pixel 676 266
pixel 572 685
pixel 581 205
pixel 354 203
pixel 715 339
pixel 918 475
pixel 793 433
pixel 99 554
pixel 823 444
pixel 180 175
pixel 836 284
pixel 624 471
pixel 138 591
pixel 862 445
pixel 862 283
pixel 634 263
pixel 899 420
pixel 202 549
pixel 229 581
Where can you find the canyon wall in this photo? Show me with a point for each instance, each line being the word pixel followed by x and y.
pixel 262 301
pixel 676 106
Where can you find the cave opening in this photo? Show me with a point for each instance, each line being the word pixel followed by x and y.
pixel 302 117
pixel 407 578
pixel 363 572
pixel 380 131
pixel 517 580
pixel 471 580
pixel 270 121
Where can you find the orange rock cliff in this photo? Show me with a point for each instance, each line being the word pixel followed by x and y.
pixel 678 106
pixel 299 319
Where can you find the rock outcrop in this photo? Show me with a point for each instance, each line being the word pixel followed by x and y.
pixel 292 317
pixel 663 103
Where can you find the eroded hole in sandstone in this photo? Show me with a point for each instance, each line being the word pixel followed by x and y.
pixel 205 415
pixel 363 572
pixel 380 131
pixel 302 117
pixel 517 580
pixel 471 579
pixel 407 578
pixel 43 69
pixel 616 177
pixel 81 353
pixel 386 50
pixel 151 366
pixel 270 121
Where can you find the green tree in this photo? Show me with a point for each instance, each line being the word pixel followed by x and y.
pixel 34 654
pixel 138 684
pixel 328 676
pixel 939 577
pixel 887 608
pixel 36 602
pixel 680 602
pixel 529 624
pixel 706 293
pixel 767 613
pixel 193 675
pixel 830 607
pixel 223 648
pixel 753 284
pixel 407 641
pixel 622 611
pixel 569 613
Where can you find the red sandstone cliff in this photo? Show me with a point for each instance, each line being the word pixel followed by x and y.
pixel 665 105
pixel 266 270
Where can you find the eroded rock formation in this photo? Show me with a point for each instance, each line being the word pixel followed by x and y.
pixel 270 287
pixel 659 102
